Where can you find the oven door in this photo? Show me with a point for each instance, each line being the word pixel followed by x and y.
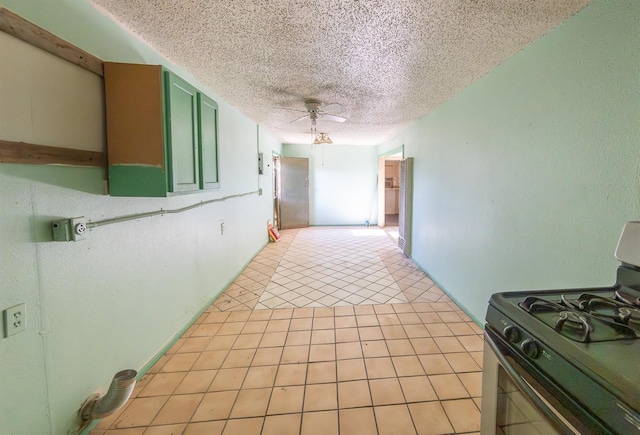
pixel 510 402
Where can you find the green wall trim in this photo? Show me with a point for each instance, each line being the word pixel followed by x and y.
pixel 133 180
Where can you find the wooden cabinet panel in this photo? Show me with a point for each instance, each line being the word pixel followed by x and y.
pixel 161 133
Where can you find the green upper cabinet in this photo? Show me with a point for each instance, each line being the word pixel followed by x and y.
pixel 208 133
pixel 161 132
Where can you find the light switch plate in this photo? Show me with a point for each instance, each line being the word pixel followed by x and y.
pixel 14 319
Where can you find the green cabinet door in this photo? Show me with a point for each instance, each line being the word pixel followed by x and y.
pixel 208 133
pixel 182 134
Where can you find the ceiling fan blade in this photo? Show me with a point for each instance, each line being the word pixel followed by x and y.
pixel 332 107
pixel 333 117
pixel 301 118
pixel 290 110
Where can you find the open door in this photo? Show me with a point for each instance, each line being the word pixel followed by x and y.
pixel 293 193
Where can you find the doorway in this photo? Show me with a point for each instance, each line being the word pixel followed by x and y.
pixel 388 189
pixel 291 192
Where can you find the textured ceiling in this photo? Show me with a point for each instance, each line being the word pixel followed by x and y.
pixel 387 62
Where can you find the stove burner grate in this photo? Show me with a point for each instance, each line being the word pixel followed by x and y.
pixel 586 319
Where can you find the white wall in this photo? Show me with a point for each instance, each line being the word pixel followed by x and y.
pixel 342 183
pixel 115 300
pixel 525 179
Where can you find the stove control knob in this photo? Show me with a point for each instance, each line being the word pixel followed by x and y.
pixel 530 348
pixel 512 333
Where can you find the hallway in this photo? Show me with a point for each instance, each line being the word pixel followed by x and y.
pixel 329 331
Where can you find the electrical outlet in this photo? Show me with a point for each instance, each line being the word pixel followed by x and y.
pixel 15 319
pixel 78 227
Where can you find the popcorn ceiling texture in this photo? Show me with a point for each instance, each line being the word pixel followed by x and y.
pixel 388 62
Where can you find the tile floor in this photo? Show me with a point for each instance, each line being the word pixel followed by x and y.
pixel 328 331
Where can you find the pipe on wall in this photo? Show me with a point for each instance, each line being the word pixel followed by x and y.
pixel 121 387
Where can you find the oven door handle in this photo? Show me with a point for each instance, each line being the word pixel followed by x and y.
pixel 524 387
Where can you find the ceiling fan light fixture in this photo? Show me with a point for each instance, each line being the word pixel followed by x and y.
pixel 322 138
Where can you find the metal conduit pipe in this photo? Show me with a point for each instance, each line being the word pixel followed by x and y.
pixel 121 387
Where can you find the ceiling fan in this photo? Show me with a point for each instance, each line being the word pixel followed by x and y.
pixel 315 110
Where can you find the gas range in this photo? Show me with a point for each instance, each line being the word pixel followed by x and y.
pixel 581 346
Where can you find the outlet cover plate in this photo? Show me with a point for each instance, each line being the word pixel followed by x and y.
pixel 14 319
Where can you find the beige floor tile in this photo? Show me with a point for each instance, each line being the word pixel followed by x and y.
pixel 438 330
pixel 303 324
pixel 231 328
pixel 357 421
pixel 347 335
pixel 295 354
pixel 323 336
pixel 321 372
pixel 178 409
pixel 394 419
pixel 282 424
pixel 238 316
pixel 322 352
pixel 416 331
pixel 215 406
pixel 238 358
pixel 393 332
pixel 320 423
pixel 291 374
pixel 140 412
pixel 389 319
pixel 222 342
pixel 449 344
pixel 194 344
pixel 435 364
pixel 367 320
pixel 320 397
pixel 280 325
pixel 462 362
pixel 400 347
pixel 345 321
pixel 273 339
pixel 170 429
pixel 244 426
pixel 247 341
pixel 323 323
pixel 133 431
pixel 424 346
pixel 463 414
pixel 298 338
pixel 376 348
pixel 472 343
pixel 260 377
pixel 251 403
pixel 351 370
pixel 299 313
pixel 267 356
pixel 448 387
pixel 472 382
pixel 386 391
pixel 354 394
pixel 417 389
pixel 348 350
pixel 286 400
pixel 379 368
pixel 407 365
pixel 461 328
pixel 210 360
pixel 344 311
pixel 283 313
pixel 228 379
pixel 196 382
pixel 162 384
pixel 205 428
pixel 180 362
pixel 429 418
